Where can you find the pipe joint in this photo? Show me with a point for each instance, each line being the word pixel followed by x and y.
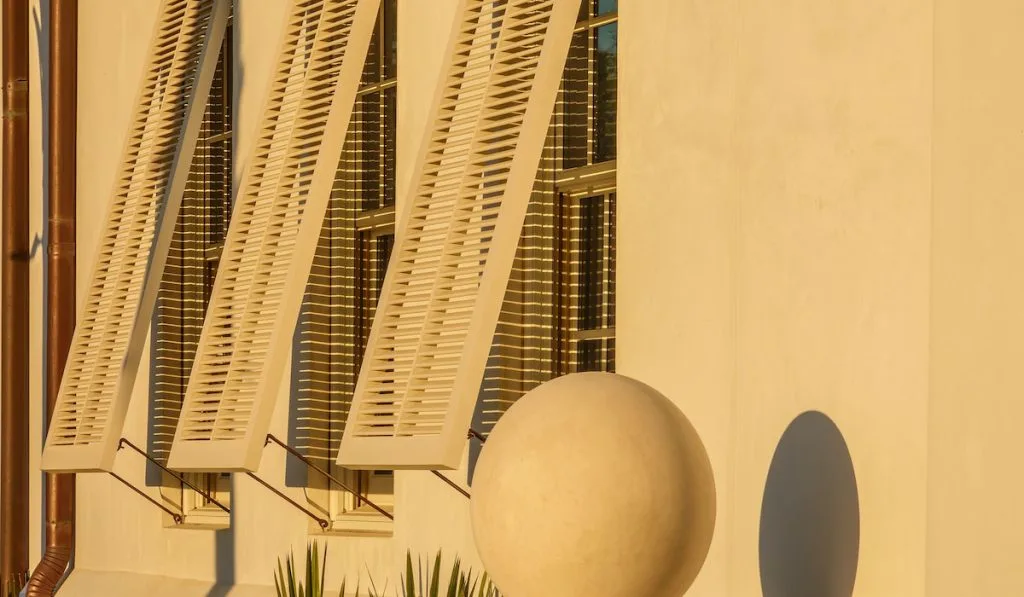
pixel 66 249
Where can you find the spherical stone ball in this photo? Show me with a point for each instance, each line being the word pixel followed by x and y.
pixel 593 484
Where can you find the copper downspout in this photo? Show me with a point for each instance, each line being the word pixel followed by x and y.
pixel 60 289
pixel 14 304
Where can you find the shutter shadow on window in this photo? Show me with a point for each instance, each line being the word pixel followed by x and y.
pixel 132 249
pixel 279 210
pixel 458 234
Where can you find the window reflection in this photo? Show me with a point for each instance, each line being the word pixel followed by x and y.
pixel 575 97
pixel 605 91
pixel 390 112
pixel 606 6
pixel 389 31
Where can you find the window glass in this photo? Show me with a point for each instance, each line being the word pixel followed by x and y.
pixel 591 263
pixel 367 129
pixel 385 243
pixel 372 65
pixel 606 6
pixel 588 355
pixel 575 102
pixel 605 91
pixel 610 268
pixel 390 130
pixel 389 14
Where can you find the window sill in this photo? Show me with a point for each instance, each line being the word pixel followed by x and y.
pixel 358 524
pixel 213 519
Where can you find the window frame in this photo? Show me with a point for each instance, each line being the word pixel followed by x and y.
pixel 556 197
pixel 196 510
pixel 344 510
pixel 572 185
pixel 571 188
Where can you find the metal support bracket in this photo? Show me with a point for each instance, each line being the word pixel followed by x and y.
pixel 451 484
pixel 471 434
pixel 271 439
pixel 181 478
pixel 177 517
pixel 320 521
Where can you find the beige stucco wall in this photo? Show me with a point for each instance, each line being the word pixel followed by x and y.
pixel 819 208
pixel 775 185
pixel 975 522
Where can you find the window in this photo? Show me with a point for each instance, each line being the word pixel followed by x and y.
pixel 558 316
pixel 586 271
pixel 344 286
pixel 185 294
pixel 590 88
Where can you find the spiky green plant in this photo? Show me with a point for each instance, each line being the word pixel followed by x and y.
pixel 422 580
pixel 425 581
pixel 288 582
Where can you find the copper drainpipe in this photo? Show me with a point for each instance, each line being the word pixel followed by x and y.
pixel 60 289
pixel 14 311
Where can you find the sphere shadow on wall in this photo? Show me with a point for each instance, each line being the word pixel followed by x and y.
pixel 810 514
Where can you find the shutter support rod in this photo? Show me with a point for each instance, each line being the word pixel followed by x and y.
pixel 271 439
pixel 124 442
pixel 320 521
pixel 174 515
pixel 472 434
pixel 451 484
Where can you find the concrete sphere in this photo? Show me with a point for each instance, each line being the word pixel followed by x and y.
pixel 593 484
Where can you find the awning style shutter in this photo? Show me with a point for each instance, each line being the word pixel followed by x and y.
pixel 279 210
pixel 459 230
pixel 129 262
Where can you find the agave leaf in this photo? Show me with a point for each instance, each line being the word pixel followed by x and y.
pixel 453 580
pixel 291 574
pixel 311 557
pixel 279 580
pixel 419 561
pixel 373 587
pixel 323 570
pixel 410 587
pixel 437 573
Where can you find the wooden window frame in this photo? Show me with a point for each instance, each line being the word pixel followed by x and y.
pixel 516 364
pixel 216 136
pixel 373 217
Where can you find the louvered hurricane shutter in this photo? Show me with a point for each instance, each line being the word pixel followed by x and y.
pixel 458 233
pixel 280 207
pixel 132 249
